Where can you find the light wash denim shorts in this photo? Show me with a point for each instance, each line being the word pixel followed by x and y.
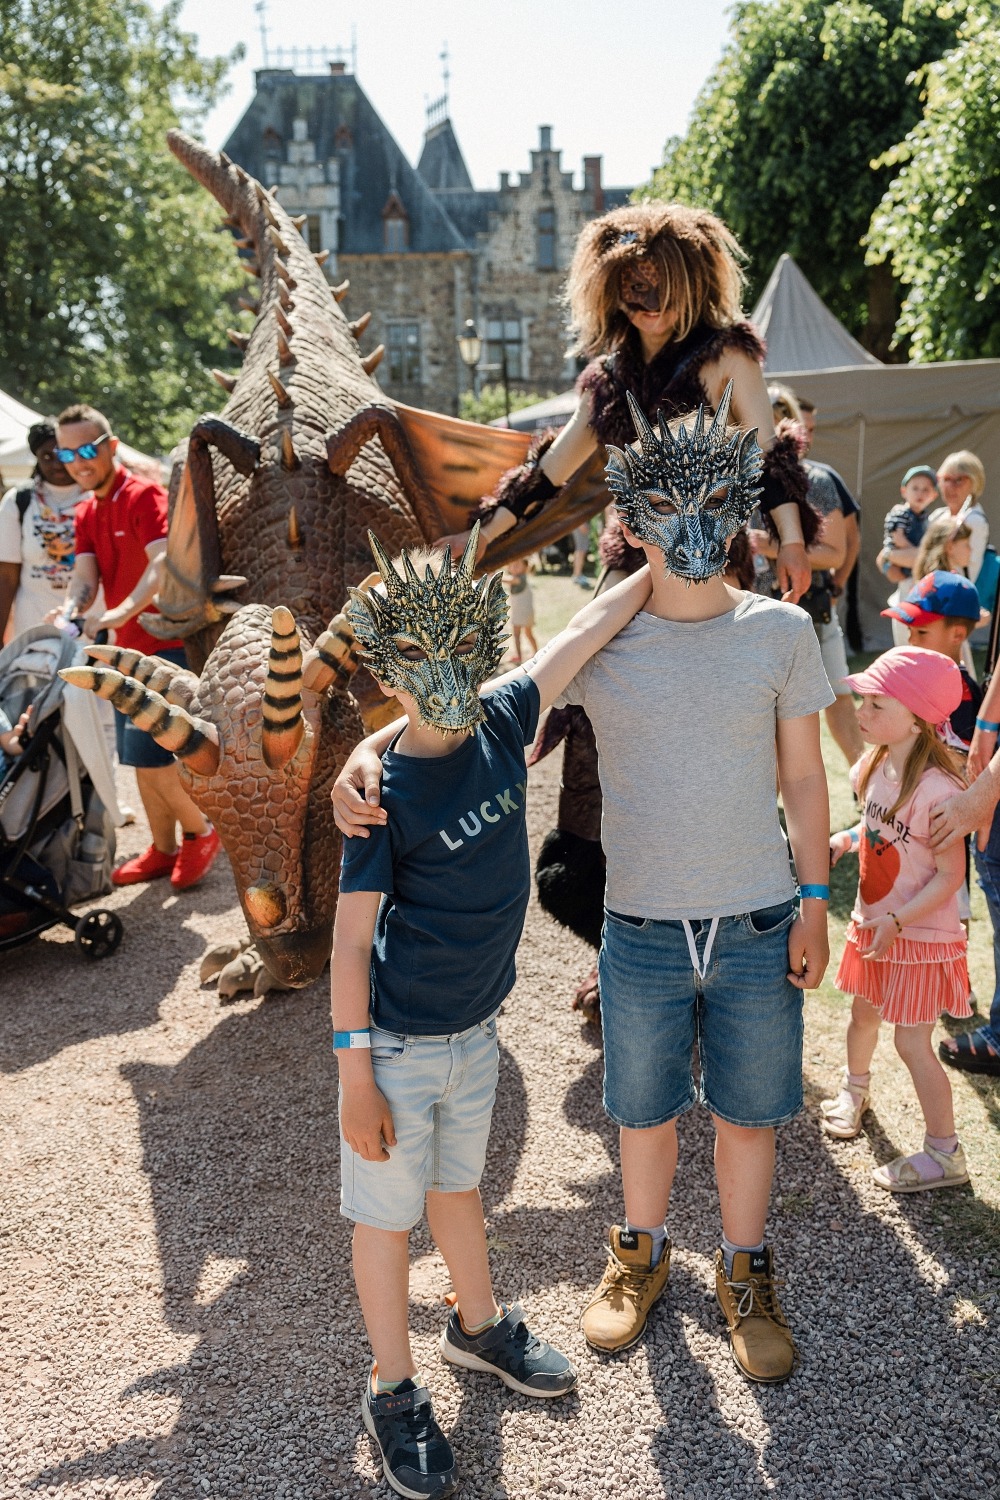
pixel 440 1090
pixel 744 1014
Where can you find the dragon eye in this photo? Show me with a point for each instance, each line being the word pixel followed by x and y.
pixel 409 650
pixel 467 644
pixel 661 503
pixel 717 499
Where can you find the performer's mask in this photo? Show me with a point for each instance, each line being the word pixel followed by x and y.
pixel 436 638
pixel 688 493
pixel 639 287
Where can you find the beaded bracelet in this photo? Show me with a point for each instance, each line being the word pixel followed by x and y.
pixel 899 925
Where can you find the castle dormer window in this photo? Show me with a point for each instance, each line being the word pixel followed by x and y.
pixel 395 225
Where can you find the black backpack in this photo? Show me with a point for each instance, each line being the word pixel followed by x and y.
pixel 22 500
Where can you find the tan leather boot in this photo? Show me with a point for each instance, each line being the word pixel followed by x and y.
pixel 759 1337
pixel 616 1315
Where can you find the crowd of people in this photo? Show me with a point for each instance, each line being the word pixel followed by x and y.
pixel 708 938
pixel 81 548
pixel 703 664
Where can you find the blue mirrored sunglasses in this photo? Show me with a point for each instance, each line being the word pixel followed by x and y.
pixel 85 450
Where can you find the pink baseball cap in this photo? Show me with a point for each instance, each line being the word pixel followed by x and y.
pixel 925 682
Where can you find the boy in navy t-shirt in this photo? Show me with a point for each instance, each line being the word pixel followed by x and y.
pixel 430 915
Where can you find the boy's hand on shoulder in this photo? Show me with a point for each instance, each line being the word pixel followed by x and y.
pixel 808 946
pixel 356 792
pixel 365 1118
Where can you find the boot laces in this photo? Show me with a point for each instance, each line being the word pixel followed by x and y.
pixel 632 1280
pixel 759 1290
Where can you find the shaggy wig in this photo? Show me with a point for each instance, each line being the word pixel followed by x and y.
pixel 696 258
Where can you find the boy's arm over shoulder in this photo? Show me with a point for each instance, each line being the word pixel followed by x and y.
pixel 555 666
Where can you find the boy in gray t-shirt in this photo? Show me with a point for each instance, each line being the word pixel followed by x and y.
pixel 697 706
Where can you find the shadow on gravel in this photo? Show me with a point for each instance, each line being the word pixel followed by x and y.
pixel 240 1148
pixel 54 998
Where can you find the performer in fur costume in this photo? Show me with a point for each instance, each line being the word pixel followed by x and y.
pixel 654 293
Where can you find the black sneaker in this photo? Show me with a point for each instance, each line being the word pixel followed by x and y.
pixel 510 1351
pixel 416 1456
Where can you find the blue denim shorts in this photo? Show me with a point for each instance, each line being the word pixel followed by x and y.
pixel 440 1090
pixel 745 1016
pixel 135 747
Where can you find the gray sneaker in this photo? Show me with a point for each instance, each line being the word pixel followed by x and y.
pixel 510 1351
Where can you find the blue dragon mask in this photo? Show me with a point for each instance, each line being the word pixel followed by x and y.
pixel 688 492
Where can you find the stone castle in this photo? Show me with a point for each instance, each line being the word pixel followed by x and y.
pixel 422 247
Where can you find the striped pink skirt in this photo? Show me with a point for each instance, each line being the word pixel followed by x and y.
pixel 915 982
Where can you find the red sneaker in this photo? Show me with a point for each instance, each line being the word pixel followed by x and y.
pixel 151 864
pixel 197 855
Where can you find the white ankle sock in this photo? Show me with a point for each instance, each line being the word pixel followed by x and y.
pixel 729 1250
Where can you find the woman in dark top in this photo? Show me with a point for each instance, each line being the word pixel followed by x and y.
pixel 654 295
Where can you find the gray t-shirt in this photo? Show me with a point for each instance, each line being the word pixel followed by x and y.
pixel 685 715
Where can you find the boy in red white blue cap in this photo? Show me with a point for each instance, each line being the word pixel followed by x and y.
pixel 941 612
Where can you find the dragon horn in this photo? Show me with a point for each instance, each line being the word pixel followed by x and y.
pixel 334 657
pixel 390 577
pixel 666 436
pixel 468 562
pixel 412 576
pixel 175 684
pixel 721 419
pixel 645 433
pixel 284 725
pixel 190 739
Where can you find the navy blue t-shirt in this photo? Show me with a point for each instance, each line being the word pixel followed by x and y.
pixel 452 864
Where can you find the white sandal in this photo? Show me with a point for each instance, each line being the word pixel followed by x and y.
pixel 917 1174
pixel 842 1116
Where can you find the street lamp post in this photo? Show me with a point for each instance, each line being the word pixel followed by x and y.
pixel 470 347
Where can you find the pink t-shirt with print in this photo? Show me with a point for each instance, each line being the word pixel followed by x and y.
pixel 895 854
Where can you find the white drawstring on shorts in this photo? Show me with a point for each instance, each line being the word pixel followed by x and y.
pixel 701 968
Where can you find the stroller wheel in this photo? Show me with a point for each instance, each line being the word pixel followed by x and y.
pixel 98 934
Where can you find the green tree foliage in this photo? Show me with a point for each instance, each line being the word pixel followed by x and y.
pixel 113 273
pixel 489 405
pixel 783 136
pixel 937 223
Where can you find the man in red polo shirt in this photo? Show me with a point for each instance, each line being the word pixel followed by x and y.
pixel 121 534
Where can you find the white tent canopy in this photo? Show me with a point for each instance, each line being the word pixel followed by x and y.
pixel 801 331
pixel 16 459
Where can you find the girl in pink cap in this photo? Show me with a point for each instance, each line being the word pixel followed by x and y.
pixel 905 957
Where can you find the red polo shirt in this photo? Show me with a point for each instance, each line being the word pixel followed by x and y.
pixel 116 531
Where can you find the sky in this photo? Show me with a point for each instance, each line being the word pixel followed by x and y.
pixel 612 77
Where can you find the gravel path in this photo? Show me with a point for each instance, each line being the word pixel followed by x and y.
pixel 176 1307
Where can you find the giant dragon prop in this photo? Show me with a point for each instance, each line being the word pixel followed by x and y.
pixel 270 504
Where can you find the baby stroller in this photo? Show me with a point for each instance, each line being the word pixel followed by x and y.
pixel 57 801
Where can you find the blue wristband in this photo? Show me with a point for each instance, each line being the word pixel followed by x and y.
pixel 986 726
pixel 343 1041
pixel 855 837
pixel 814 893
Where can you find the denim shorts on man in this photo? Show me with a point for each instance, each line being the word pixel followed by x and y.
pixel 440 1090
pixel 135 746
pixel 743 1012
